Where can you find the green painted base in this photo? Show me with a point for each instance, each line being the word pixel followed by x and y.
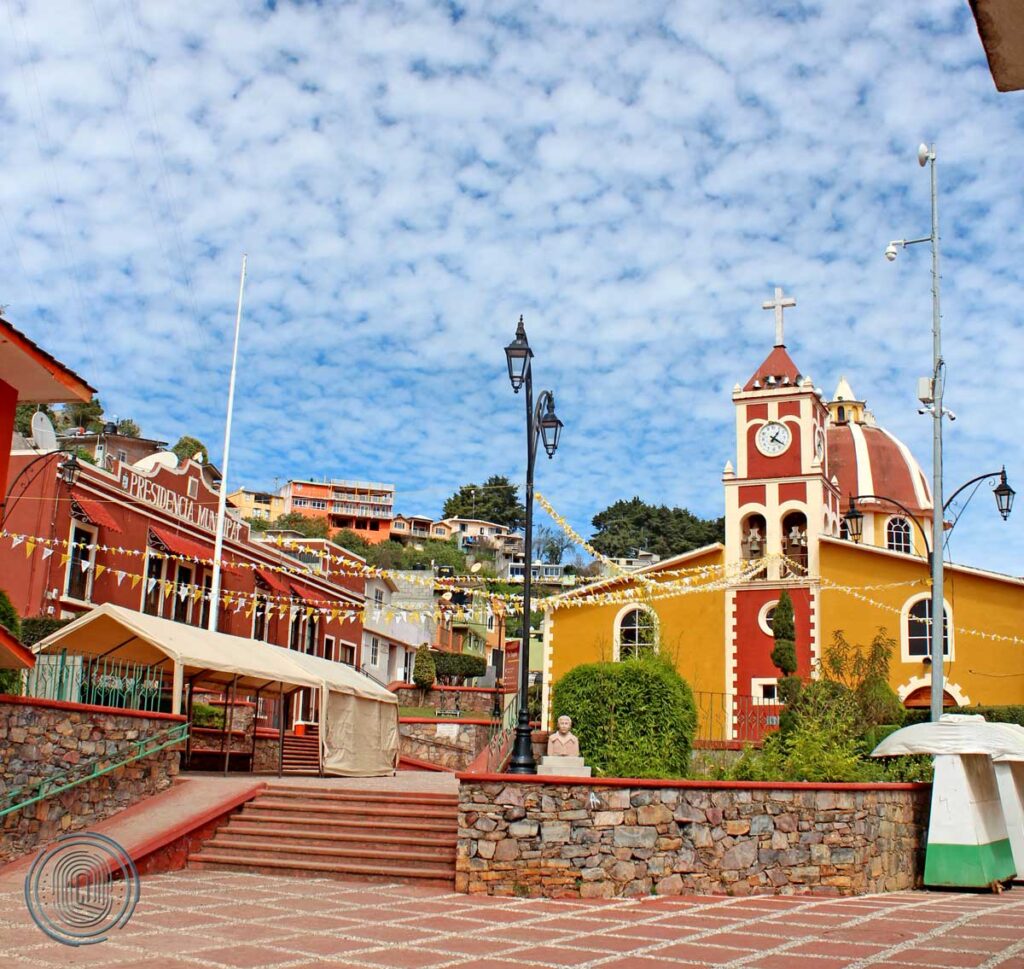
pixel 968 866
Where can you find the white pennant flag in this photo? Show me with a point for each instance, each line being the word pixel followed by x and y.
pixel 120 577
pixel 182 592
pixel 86 565
pixel 47 552
pixel 16 540
pixel 150 584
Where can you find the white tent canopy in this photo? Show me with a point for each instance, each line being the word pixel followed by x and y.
pixel 956 734
pixel 359 718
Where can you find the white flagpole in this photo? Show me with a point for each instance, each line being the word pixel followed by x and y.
pixel 222 498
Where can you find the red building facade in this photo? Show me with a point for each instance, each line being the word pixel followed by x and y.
pixel 144 539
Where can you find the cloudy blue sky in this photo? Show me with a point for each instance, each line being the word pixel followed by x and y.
pixel 408 177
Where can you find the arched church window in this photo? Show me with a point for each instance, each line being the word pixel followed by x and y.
pixel 636 633
pixel 919 629
pixel 794 543
pixel 841 415
pixel 753 539
pixel 897 535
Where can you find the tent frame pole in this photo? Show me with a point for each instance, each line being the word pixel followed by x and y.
pixel 229 719
pixel 188 717
pixel 280 731
pixel 255 717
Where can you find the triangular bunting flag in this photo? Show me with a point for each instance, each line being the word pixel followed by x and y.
pixel 47 552
pixel 16 540
pixel 100 569
pixel 136 579
pixel 85 565
pixel 30 547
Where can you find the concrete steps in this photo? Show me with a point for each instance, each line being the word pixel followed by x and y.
pixel 374 835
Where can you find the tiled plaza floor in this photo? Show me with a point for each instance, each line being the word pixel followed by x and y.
pixel 216 920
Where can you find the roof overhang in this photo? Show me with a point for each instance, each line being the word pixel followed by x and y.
pixel 13 655
pixel 1001 27
pixel 37 376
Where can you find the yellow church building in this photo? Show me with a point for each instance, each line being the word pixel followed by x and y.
pixel 799 458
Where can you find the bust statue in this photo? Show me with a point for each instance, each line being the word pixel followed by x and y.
pixel 564 743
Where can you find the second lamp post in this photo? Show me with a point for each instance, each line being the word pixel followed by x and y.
pixel 542 424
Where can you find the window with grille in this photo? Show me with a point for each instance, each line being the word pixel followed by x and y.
pixel 637 633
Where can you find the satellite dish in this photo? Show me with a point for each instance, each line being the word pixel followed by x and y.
pixel 163 459
pixel 43 433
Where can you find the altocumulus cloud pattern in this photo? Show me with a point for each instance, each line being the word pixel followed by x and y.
pixel 408 177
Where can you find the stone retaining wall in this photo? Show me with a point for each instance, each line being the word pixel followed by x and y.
pixel 39 738
pixel 609 839
pixel 449 744
pixel 472 699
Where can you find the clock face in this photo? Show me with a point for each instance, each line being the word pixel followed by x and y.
pixel 773 438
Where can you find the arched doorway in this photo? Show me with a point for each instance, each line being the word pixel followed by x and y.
pixel 921 699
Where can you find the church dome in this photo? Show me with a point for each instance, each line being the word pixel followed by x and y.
pixel 867 460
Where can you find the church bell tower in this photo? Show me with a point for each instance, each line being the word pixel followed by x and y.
pixel 779 499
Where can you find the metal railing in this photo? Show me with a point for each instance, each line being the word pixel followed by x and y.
pixel 96 681
pixel 16 798
pixel 501 733
pixel 733 717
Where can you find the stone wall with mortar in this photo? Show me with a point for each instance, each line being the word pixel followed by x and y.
pixel 40 738
pixel 452 744
pixel 607 839
pixel 472 699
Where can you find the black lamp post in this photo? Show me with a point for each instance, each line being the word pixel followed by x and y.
pixel 1001 490
pixel 542 424
pixel 854 519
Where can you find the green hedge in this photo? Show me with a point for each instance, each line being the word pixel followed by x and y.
pixel 635 718
pixel 1006 714
pixel 453 669
pixel 36 628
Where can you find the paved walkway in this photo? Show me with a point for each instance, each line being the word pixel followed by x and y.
pixel 213 920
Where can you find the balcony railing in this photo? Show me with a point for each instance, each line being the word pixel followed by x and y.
pixel 100 682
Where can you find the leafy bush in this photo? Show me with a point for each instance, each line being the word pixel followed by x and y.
pixel 205 715
pixel 1007 714
pixel 453 669
pixel 635 718
pixel 36 628
pixel 9 615
pixel 423 670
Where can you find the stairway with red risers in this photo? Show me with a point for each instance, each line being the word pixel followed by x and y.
pixel 302 754
pixel 324 831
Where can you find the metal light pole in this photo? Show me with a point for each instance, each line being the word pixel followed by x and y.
pixel 541 423
pixel 931 393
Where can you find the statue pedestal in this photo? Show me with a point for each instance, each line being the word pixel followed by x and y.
pixel 563 766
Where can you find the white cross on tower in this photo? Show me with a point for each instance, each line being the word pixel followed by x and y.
pixel 778 304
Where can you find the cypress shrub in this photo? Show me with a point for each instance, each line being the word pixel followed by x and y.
pixel 635 718
pixel 423 671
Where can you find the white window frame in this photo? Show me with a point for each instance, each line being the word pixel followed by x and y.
pixel 617 627
pixel 194 571
pixel 159 582
pixel 374 651
pixel 757 685
pixel 329 648
pixel 193 488
pixel 762 618
pixel 909 550
pixel 949 654
pixel 378 598
pixel 92 530
pixel 490 622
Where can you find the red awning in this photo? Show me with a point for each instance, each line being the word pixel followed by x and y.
pixel 93 509
pixel 276 582
pixel 188 548
pixel 14 656
pixel 312 595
